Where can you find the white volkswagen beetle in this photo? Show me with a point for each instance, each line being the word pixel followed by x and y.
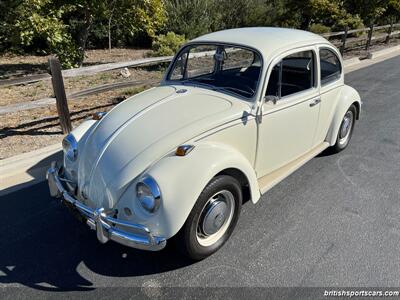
pixel 237 112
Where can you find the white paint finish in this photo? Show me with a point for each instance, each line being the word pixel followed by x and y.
pixel 242 136
pixel 288 126
pixel 181 180
pixel 329 94
pixel 268 40
pixel 347 97
pixel 329 99
pixel 286 131
pixel 128 139
pixel 271 179
pixel 140 135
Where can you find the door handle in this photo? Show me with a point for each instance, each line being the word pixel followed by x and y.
pixel 315 102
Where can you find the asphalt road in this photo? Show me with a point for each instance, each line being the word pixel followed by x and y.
pixel 335 222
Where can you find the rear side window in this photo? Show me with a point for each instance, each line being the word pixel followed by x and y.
pixel 331 68
pixel 293 74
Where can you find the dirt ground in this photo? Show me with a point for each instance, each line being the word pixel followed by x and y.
pixel 29 130
pixel 43 89
pixel 12 66
pixel 34 129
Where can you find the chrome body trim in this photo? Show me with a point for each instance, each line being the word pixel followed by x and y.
pixel 107 227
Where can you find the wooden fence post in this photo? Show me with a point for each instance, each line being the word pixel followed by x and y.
pixel 371 29
pixel 59 92
pixel 344 37
pixel 389 32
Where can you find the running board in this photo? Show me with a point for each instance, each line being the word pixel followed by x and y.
pixel 268 181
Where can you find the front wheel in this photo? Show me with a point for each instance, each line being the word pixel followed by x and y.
pixel 345 130
pixel 212 219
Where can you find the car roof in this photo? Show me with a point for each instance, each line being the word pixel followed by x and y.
pixel 267 40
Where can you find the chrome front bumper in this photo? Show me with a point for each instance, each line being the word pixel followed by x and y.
pixel 107 227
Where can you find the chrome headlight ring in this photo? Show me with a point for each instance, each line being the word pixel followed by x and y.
pixel 148 194
pixel 70 147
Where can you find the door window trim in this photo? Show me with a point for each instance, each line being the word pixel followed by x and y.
pixel 326 83
pixel 279 59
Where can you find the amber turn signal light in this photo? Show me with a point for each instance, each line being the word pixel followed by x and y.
pixel 183 150
pixel 98 115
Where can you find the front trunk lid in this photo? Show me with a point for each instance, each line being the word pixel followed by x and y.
pixel 141 130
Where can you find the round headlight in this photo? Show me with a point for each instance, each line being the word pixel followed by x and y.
pixel 148 194
pixel 70 147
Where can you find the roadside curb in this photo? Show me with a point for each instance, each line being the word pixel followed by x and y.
pixel 385 51
pixel 26 169
pixel 351 62
pixel 21 171
pixel 354 63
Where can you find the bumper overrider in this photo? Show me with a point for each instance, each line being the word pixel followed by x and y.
pixel 107 227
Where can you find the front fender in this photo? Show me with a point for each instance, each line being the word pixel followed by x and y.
pixel 347 97
pixel 80 134
pixel 182 179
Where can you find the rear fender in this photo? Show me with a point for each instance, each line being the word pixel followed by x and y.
pixel 347 97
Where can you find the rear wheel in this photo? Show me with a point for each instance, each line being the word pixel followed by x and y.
pixel 345 130
pixel 212 219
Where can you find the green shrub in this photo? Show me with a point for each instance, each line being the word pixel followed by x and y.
pixel 191 18
pixel 319 28
pixel 168 44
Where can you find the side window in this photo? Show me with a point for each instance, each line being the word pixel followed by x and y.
pixel 293 74
pixel 331 68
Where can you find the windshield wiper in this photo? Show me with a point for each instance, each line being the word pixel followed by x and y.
pixel 234 90
pixel 198 83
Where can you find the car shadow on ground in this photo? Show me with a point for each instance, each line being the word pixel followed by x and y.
pixel 44 247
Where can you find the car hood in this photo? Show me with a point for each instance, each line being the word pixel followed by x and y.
pixel 143 129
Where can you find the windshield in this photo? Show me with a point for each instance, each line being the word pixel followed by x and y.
pixel 218 67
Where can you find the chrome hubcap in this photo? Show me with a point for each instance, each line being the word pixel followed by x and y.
pixel 215 218
pixel 345 127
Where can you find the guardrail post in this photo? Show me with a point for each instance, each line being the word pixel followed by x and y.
pixel 371 29
pixel 344 37
pixel 59 93
pixel 389 32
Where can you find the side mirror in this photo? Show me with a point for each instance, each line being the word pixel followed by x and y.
pixel 271 98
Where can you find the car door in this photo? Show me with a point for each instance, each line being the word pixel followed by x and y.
pixel 290 110
pixel 331 80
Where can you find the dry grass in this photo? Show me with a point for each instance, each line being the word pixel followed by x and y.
pixel 33 129
pixel 29 130
pixel 43 89
pixel 12 65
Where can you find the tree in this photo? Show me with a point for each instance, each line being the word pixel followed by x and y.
pixel 63 27
pixel 190 18
pixel 37 24
pixel 368 10
pixel 331 13
pixel 134 16
pixel 393 11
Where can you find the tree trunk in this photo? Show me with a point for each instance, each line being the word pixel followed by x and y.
pixel 84 34
pixel 109 35
pixel 111 9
